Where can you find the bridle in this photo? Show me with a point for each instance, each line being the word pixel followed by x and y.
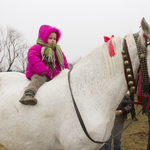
pixel 132 84
pixel 142 53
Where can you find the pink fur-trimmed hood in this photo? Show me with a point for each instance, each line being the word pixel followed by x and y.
pixel 45 30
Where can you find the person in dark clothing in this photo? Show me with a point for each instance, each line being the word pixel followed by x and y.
pixel 121 115
pixel 140 93
pixel 133 113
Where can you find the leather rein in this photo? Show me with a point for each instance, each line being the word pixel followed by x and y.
pixel 142 52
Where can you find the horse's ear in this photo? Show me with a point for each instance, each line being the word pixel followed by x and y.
pixel 145 26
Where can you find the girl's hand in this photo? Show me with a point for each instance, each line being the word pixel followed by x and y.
pixel 43 74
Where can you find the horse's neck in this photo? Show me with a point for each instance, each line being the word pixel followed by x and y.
pixel 100 78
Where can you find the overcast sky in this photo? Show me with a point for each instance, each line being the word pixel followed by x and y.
pixel 83 23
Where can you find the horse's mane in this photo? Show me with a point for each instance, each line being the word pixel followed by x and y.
pixel 115 62
pixel 142 39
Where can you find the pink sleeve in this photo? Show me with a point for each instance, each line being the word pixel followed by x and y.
pixel 66 66
pixel 35 61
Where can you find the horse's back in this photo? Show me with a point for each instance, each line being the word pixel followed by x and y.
pixel 12 81
pixel 12 84
pixel 30 125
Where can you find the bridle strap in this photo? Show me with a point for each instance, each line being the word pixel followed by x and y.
pixel 79 115
pixel 132 102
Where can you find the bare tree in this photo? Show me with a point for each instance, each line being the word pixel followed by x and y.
pixel 21 62
pixel 12 50
pixel 2 52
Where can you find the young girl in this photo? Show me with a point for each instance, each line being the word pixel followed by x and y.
pixel 45 61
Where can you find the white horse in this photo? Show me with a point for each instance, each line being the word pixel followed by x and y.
pixel 98 84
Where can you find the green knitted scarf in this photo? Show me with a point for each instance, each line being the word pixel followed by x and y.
pixel 48 54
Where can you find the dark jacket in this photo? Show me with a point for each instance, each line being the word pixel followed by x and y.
pixel 125 107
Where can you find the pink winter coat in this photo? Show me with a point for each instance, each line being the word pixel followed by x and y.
pixel 35 64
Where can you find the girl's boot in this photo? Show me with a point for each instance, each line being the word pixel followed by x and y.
pixel 28 98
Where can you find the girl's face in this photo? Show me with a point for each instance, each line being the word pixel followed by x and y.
pixel 52 38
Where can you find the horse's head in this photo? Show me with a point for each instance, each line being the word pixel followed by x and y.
pixel 145 40
pixel 145 27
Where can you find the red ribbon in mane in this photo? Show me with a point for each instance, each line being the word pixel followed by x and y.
pixel 110 45
pixel 144 36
